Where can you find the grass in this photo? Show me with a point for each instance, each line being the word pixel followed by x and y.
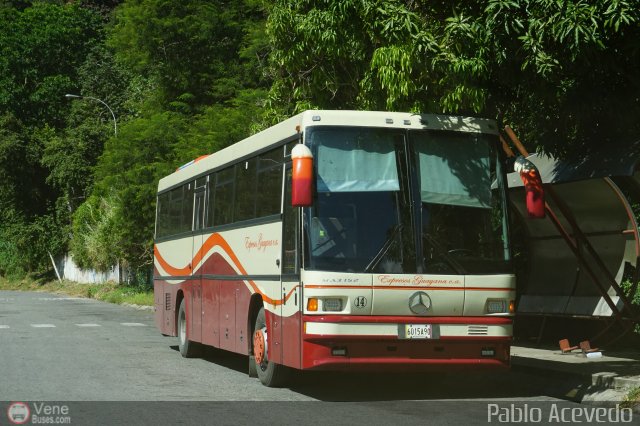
pixel 109 292
pixel 632 399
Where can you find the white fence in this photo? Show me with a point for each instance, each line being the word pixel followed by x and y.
pixel 70 271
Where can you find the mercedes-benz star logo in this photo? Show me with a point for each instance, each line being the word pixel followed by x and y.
pixel 420 303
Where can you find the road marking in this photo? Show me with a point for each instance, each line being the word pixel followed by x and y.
pixel 7 299
pixel 4 326
pixel 50 299
pixel 89 325
pixel 133 324
pixel 43 326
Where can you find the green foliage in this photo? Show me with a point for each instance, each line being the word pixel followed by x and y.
pixel 42 46
pixel 569 70
pixel 183 79
pixel 95 242
pixel 126 176
pixel 564 73
pixel 190 47
pixel 22 186
pixel 25 246
pixel 108 292
pixel 632 398
pixel 189 54
pixel 117 222
pixel 220 126
pixel 187 78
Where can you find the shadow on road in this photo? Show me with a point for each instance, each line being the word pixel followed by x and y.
pixel 331 386
pixel 377 386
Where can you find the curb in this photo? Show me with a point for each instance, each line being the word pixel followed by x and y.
pixel 601 380
pixel 599 389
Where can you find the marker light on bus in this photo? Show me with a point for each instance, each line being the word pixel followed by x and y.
pixel 302 178
pixel 512 306
pixel 312 304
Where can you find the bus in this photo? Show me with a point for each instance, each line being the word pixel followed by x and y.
pixel 341 240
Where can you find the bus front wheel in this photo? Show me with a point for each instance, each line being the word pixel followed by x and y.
pixel 269 373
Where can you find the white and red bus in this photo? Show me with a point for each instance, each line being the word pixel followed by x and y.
pixel 393 253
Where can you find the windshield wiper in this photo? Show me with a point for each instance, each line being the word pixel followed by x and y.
pixel 384 249
pixel 444 254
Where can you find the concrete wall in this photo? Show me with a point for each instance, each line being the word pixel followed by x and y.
pixel 70 271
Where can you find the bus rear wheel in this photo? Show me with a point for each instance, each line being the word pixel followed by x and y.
pixel 269 373
pixel 188 349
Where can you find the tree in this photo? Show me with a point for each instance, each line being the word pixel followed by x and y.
pixel 564 73
pixel 42 47
pixel 189 47
pixel 200 61
pixel 123 197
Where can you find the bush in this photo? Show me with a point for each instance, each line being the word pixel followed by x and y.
pixel 95 235
pixel 25 246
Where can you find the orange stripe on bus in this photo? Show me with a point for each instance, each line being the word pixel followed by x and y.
pixel 380 287
pixel 211 242
pixel 168 268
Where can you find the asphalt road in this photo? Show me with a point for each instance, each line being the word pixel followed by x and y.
pixel 88 354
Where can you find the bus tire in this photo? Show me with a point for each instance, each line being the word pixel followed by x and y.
pixel 188 349
pixel 253 369
pixel 270 374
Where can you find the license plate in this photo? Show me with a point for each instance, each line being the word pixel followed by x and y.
pixel 417 331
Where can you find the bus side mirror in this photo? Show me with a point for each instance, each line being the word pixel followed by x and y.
pixel 302 176
pixel 533 187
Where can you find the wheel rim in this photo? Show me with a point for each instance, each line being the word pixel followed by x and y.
pixel 182 326
pixel 260 346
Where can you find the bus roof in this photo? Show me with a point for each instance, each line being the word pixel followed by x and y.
pixel 288 130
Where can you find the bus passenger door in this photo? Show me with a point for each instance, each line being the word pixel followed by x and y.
pixel 197 266
pixel 290 273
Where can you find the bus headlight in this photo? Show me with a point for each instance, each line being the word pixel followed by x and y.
pixel 497 306
pixel 332 304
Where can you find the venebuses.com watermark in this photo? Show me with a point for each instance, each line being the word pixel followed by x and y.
pixel 556 413
pixel 21 413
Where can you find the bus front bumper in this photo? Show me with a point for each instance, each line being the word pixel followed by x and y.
pixel 381 343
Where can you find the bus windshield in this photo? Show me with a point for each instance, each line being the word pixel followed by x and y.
pixel 462 203
pixel 361 220
pixel 392 201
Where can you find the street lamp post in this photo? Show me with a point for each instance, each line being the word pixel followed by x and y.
pixel 115 122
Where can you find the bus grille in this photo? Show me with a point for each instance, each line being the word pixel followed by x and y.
pixel 478 330
pixel 167 301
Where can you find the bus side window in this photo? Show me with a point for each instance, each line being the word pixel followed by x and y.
pixel 223 207
pixel 245 206
pixel 186 217
pixel 162 225
pixel 198 203
pixel 290 230
pixel 210 199
pixel 180 209
pixel 269 189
